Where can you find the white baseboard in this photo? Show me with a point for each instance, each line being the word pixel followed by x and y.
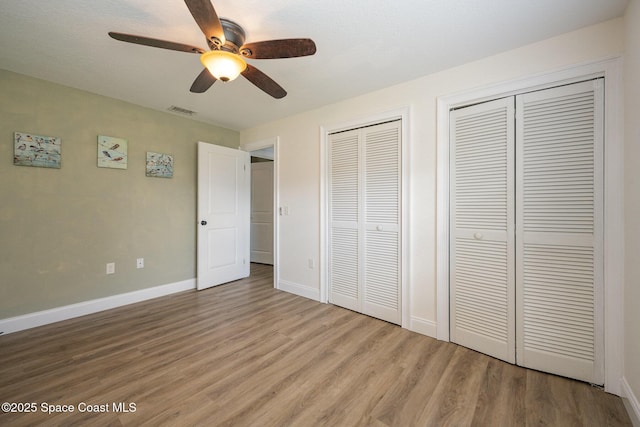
pixel 630 402
pixel 40 318
pixel 297 289
pixel 423 326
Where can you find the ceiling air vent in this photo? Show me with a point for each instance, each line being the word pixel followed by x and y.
pixel 181 110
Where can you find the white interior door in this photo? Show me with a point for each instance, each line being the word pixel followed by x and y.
pixel 262 212
pixel 223 215
pixel 559 273
pixel 482 228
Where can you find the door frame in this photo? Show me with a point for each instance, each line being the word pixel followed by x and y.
pixel 259 145
pixel 611 69
pixel 259 186
pixel 402 114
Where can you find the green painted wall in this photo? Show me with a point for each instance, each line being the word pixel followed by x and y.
pixel 59 227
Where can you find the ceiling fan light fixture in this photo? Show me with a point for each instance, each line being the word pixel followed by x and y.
pixel 223 65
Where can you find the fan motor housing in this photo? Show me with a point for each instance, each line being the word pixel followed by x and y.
pixel 234 36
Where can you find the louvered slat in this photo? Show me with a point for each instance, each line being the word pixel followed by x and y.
pixel 481 169
pixel 562 291
pixel 557 137
pixel 481 288
pixel 344 177
pixel 344 262
pixel 382 175
pixel 382 273
pixel 559 224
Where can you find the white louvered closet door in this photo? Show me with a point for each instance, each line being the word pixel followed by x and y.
pixel 559 271
pixel 482 315
pixel 344 215
pixel 364 218
pixel 381 271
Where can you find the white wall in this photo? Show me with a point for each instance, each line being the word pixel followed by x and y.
pixel 300 150
pixel 632 200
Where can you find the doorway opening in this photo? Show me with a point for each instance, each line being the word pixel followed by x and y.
pixel 263 204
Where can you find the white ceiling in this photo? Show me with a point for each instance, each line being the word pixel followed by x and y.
pixel 362 45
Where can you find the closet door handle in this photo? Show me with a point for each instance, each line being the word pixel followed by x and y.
pixel 478 236
pixel 203 222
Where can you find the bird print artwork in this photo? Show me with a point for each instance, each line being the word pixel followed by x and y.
pixel 112 152
pixel 159 165
pixel 36 150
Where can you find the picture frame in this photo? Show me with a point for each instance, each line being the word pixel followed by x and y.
pixel 37 150
pixel 159 165
pixel 112 152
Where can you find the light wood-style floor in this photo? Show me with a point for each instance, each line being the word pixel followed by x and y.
pixel 244 354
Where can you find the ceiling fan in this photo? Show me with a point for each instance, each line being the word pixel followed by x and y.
pixel 225 59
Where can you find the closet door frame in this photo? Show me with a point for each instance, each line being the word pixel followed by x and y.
pixel 402 114
pixel 611 70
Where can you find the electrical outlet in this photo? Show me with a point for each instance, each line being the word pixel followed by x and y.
pixel 111 268
pixel 311 263
pixel 140 263
pixel 286 210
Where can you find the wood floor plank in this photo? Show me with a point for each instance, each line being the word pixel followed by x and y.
pixel 455 398
pixel 407 396
pixel 245 354
pixel 500 398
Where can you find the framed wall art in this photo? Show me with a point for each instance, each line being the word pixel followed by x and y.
pixel 112 152
pixel 36 150
pixel 159 165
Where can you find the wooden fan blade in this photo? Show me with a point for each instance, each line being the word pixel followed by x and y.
pixel 147 41
pixel 264 82
pixel 285 48
pixel 202 82
pixel 206 18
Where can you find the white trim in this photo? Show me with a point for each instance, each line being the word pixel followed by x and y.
pixel 406 286
pixel 613 228
pixel 260 145
pixel 423 326
pixel 404 114
pixel 324 203
pixel 630 402
pixel 40 318
pixel 611 69
pixel 442 219
pixel 263 153
pixel 300 290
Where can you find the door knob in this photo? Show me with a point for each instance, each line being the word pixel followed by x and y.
pixel 203 222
